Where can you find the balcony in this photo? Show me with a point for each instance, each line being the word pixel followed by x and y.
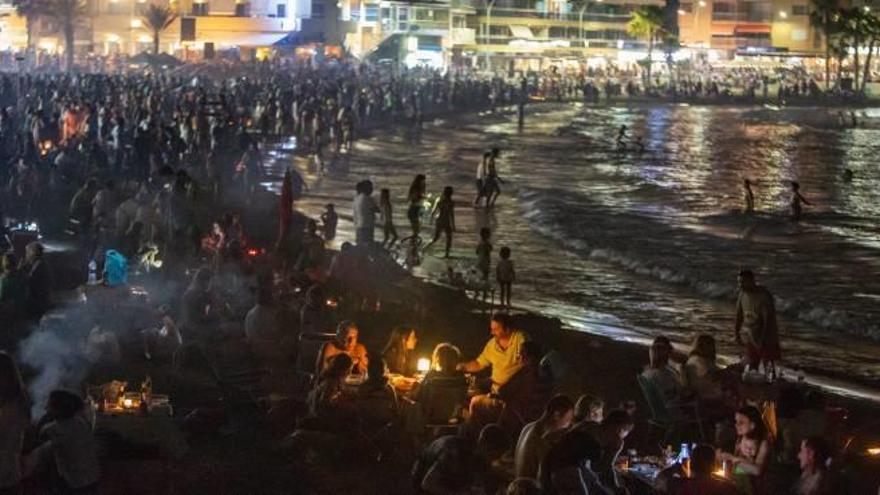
pixel 463 36
pixel 740 17
pixel 570 16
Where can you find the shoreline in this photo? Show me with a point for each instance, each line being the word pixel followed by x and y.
pixel 861 388
pixel 231 462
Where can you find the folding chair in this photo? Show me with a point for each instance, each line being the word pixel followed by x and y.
pixel 669 419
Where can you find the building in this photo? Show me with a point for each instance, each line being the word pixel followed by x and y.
pixel 749 27
pixel 528 35
pixel 420 32
pixel 503 34
pixel 203 27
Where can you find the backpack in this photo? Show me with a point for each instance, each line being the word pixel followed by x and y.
pixel 115 269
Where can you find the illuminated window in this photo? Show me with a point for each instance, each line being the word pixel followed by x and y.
pixel 318 9
pixel 200 8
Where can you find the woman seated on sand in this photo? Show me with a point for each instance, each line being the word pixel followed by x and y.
pixel 700 373
pixel 68 445
pixel 376 399
pixel 346 342
pixel 331 407
pixel 441 395
pixel 315 317
pixel 753 452
pixel 398 353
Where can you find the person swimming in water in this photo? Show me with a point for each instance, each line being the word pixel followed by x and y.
pixel 621 138
pixel 748 197
pixel 797 199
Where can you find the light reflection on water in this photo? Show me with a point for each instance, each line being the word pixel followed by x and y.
pixel 637 245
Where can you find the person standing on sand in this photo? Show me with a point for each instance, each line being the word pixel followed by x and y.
pixel 364 213
pixel 481 178
pixel 797 199
pixel 505 275
pixel 416 197
pixel 492 182
pixel 445 224
pixel 484 257
pixel 756 315
pixel 386 215
pixel 748 197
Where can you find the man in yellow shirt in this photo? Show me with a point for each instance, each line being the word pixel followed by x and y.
pixel 500 352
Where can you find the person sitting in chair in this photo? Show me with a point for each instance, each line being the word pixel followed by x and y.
pixel 442 393
pixel 346 342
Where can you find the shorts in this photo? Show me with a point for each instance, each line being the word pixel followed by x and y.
pixel 755 356
pixel 414 213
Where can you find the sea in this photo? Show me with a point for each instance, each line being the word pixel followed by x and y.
pixel 638 243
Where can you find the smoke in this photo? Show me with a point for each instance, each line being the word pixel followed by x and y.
pixel 62 350
pixel 56 355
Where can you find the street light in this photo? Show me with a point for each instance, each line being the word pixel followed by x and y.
pixel 783 14
pixel 489 5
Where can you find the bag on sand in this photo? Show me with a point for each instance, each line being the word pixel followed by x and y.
pixel 115 269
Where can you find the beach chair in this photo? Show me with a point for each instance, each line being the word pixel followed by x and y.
pixel 438 410
pixel 376 422
pixel 672 419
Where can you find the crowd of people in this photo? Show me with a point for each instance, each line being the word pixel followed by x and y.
pixel 140 165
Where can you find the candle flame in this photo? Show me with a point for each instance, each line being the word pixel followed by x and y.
pixel 423 365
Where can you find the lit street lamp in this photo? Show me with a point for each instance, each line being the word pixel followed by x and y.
pixel 489 5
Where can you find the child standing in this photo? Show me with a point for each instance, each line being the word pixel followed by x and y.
pixel 505 275
pixel 329 219
pixel 797 199
pixel 484 253
pixel 386 215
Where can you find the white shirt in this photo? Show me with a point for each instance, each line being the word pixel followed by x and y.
pixel 481 169
pixel 530 449
pixel 364 212
pixel 72 444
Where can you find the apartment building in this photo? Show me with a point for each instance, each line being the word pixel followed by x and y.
pixel 203 27
pixel 503 34
pixel 749 27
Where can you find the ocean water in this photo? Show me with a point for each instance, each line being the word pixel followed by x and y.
pixel 637 244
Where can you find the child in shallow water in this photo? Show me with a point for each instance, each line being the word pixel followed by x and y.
pixel 797 199
pixel 505 275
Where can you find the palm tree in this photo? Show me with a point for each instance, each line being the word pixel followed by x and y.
pixel 30 10
pixel 157 19
pixel 68 14
pixel 872 33
pixel 823 16
pixel 647 22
